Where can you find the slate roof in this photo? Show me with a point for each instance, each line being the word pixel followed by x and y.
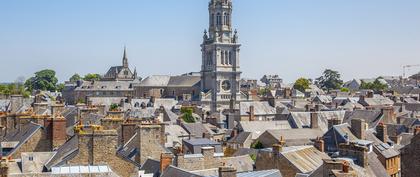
pixel 386 150
pixel 242 163
pixel 130 150
pixel 303 119
pixel 304 158
pixel 197 129
pixel 240 138
pixel 21 136
pixel 183 81
pixel 151 166
pixel 296 137
pixel 147 113
pixel 201 142
pixel 265 173
pixel 259 127
pixel 323 99
pixel 155 81
pixel 173 171
pixel 371 117
pixel 375 167
pixel 174 133
pixel 260 108
pixel 65 152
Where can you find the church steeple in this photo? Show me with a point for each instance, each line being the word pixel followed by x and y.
pixel 125 59
pixel 220 26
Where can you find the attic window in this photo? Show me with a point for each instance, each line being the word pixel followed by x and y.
pixel 103 87
pixel 31 158
pixel 118 87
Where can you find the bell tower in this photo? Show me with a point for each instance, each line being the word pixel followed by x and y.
pixel 220 71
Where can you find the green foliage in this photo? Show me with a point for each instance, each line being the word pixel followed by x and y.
pixel 187 115
pixel 257 145
pixel 345 89
pixel 14 89
pixel 76 77
pixel 375 85
pixel 253 157
pixel 113 107
pixel 301 84
pixel 92 77
pixel 263 91
pixel 330 80
pixel 60 87
pixel 44 80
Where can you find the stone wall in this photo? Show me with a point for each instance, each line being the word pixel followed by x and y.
pixel 410 155
pixel 37 143
pixel 268 160
pixel 152 141
pixel 98 148
pixel 206 160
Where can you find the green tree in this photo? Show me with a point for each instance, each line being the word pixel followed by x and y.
pixel 330 80
pixel 92 77
pixel 43 80
pixel 376 85
pixel 345 89
pixel 60 87
pixel 301 84
pixel 76 77
pixel 257 145
pixel 187 115
pixel 113 107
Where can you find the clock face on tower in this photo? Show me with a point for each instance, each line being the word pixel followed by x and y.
pixel 226 85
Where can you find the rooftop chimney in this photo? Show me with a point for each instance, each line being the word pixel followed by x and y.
pixel 15 102
pixel 381 132
pixel 319 144
pixel 165 161
pixel 358 127
pixel 388 114
pixel 251 113
pixel 227 172
pixel 370 94
pixel 314 120
pixel 346 167
pixel 278 148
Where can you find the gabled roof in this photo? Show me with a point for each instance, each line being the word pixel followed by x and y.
pixel 371 117
pixel 156 81
pixel 196 129
pixel 20 136
pixel 259 127
pixel 260 108
pixel 201 142
pixel 130 150
pixel 173 171
pixel 303 119
pixel 304 158
pixel 183 81
pixel 151 166
pixel 240 138
pixel 64 153
pixel 296 137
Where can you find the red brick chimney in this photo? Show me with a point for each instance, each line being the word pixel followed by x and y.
pixel 346 167
pixel 251 113
pixel 165 161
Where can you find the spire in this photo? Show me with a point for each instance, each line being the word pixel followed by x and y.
pixel 125 59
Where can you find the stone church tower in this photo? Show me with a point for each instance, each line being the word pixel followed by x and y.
pixel 220 72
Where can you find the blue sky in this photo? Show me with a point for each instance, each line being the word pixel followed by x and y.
pixel 292 38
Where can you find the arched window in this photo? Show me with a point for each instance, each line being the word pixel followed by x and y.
pixel 219 19
pixel 223 57
pixel 212 19
pixel 227 19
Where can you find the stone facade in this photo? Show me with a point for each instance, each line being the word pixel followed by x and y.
pixel 220 71
pixel 98 147
pixel 152 141
pixel 410 158
pixel 206 160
